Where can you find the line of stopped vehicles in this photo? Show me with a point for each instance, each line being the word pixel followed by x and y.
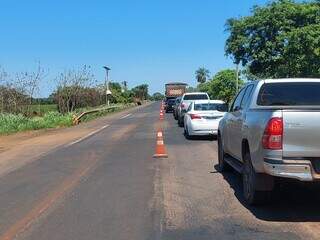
pixel 269 133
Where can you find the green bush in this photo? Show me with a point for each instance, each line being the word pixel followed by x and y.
pixel 10 123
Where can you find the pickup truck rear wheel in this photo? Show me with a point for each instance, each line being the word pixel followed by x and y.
pixel 175 116
pixel 180 122
pixel 186 132
pixel 250 179
pixel 223 165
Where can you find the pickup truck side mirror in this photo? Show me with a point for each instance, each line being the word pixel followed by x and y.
pixel 223 107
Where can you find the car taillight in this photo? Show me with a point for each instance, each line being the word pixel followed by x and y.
pixel 195 116
pixel 273 134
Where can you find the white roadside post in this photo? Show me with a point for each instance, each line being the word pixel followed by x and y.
pixel 108 92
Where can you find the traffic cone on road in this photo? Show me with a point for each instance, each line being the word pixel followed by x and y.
pixel 161 151
pixel 161 114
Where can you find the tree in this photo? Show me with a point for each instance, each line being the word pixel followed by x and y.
pixel 222 86
pixel 141 91
pixel 157 96
pixel 202 74
pixel 119 93
pixel 72 86
pixel 191 89
pixel 281 39
pixel 17 92
pixel 29 82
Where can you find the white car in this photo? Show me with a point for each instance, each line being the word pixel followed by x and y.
pixel 186 99
pixel 202 117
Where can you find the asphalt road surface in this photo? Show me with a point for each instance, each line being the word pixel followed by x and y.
pixel 109 187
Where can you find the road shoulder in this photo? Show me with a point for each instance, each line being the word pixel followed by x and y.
pixel 22 148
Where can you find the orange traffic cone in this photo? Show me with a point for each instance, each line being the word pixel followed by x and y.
pixel 161 114
pixel 162 106
pixel 161 151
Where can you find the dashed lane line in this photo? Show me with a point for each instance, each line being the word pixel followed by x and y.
pixel 93 133
pixel 125 116
pixel 87 136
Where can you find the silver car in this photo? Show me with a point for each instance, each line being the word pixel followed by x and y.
pixel 175 108
pixel 272 130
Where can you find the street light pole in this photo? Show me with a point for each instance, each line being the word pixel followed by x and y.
pixel 107 83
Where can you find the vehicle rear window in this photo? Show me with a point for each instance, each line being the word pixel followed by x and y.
pixel 289 94
pixel 196 97
pixel 206 106
pixel 171 101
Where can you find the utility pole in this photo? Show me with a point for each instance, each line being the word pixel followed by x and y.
pixel 107 84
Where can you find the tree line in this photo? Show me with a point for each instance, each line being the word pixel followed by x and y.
pixel 222 85
pixel 76 88
pixel 278 40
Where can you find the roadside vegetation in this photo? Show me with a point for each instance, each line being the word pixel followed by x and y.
pixel 222 85
pixel 11 123
pixel 278 40
pixel 76 91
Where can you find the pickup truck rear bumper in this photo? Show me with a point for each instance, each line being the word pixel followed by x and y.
pixel 296 169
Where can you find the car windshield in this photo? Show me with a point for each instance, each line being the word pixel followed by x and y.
pixel 289 94
pixel 196 97
pixel 206 106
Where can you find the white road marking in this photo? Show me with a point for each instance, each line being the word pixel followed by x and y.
pixel 87 136
pixel 128 115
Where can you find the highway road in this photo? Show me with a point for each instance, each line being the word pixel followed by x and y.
pixel 108 186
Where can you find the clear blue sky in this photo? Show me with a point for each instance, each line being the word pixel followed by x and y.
pixel 143 41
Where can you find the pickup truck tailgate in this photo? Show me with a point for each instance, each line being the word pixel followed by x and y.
pixel 301 133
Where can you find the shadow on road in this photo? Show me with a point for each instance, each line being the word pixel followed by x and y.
pixel 201 138
pixel 292 201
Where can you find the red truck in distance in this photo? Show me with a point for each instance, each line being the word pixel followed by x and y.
pixel 172 91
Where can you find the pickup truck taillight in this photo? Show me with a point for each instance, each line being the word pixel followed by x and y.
pixel 195 116
pixel 273 134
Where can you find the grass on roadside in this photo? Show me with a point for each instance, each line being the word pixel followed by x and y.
pixel 11 123
pixel 38 109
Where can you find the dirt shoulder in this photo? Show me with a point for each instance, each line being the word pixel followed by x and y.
pixel 19 149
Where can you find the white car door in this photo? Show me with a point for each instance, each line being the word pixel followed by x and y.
pixel 187 116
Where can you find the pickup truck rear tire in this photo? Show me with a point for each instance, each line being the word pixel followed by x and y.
pixel 180 122
pixel 186 133
pixel 223 165
pixel 250 180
